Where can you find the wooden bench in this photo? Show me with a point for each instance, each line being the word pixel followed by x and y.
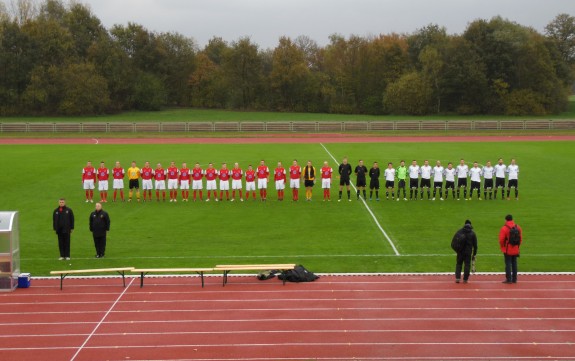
pixel 145 271
pixel 122 271
pixel 227 268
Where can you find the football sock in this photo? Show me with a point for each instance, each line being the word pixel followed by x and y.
pixel 115 193
pixel 102 195
pixel 348 194
pixel 358 194
pixel 340 193
pixel 458 192
pixel 393 195
pixel 364 194
pixel 376 194
pixel 122 194
pixel 209 194
pixel 508 192
pixel 164 195
pixel 130 193
pixel 91 194
pixel 370 194
pixel 228 195
pixel 254 194
pixel 465 193
pixel 516 193
pixel 428 194
pixel 158 195
pixel 240 191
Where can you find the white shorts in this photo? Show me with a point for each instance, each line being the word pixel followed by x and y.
pixel 172 184
pixel 281 184
pixel 250 186
pixel 118 184
pixel 197 184
pixel 224 185
pixel 211 185
pixel 294 183
pixel 326 183
pixel 185 184
pixel 89 184
pixel 236 184
pixel 146 184
pixel 161 185
pixel 262 183
pixel 103 185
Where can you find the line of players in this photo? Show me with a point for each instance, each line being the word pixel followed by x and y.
pixel 419 178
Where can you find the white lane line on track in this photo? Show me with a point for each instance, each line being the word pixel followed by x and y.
pixel 368 209
pixel 102 320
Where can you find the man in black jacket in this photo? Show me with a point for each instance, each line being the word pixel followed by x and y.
pixel 63 224
pixel 468 252
pixel 99 226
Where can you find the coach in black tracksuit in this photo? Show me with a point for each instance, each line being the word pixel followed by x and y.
pixel 99 226
pixel 63 224
pixel 468 251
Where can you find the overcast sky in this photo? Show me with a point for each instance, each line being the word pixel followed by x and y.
pixel 266 20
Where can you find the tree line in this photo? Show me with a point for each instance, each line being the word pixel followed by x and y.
pixel 57 58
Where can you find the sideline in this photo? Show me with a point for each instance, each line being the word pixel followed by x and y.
pixel 368 209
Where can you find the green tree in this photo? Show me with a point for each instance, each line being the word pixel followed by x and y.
pixel 242 65
pixel 411 95
pixel 562 31
pixel 289 74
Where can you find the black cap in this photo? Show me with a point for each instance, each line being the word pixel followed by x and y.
pixel 467 221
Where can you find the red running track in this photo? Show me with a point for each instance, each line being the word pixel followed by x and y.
pixel 293 138
pixel 335 318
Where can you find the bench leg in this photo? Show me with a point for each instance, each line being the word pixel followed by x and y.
pixel 225 278
pixel 142 279
pixel 123 274
pixel 202 277
pixel 62 276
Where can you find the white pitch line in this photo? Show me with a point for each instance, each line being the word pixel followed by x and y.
pixel 368 209
pixel 102 320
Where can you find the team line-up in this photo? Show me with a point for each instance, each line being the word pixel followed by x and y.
pixel 448 178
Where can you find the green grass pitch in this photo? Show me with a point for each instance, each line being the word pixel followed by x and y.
pixel 325 237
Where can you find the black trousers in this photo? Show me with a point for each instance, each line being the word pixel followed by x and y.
pixel 64 244
pixel 463 259
pixel 100 244
pixel 511 268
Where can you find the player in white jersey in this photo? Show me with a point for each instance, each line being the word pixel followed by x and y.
pixel 438 180
pixel 513 179
pixel 425 172
pixel 413 171
pixel 500 170
pixel 462 173
pixel 450 174
pixel 389 175
pixel 475 175
pixel 488 172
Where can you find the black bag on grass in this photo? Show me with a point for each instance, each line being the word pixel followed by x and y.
pixel 298 274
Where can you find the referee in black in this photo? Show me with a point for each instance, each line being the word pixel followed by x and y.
pixel 361 172
pixel 344 173
pixel 374 174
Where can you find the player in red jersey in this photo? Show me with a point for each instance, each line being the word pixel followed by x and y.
pixel 118 174
pixel 147 175
pixel 103 176
pixel 197 175
pixel 294 177
pixel 250 182
pixel 88 180
pixel 326 172
pixel 237 174
pixel 263 173
pixel 173 181
pixel 160 178
pixel 224 176
pixel 211 175
pixel 280 179
pixel 185 182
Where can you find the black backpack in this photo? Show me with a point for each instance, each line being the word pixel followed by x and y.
pixel 514 236
pixel 458 241
pixel 298 274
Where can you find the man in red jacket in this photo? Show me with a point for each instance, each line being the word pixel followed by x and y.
pixel 510 251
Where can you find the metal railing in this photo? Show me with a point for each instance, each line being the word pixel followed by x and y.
pixel 301 127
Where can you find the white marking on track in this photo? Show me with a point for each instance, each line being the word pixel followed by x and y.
pixel 96 141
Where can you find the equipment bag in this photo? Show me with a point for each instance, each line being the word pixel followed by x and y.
pixel 298 274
